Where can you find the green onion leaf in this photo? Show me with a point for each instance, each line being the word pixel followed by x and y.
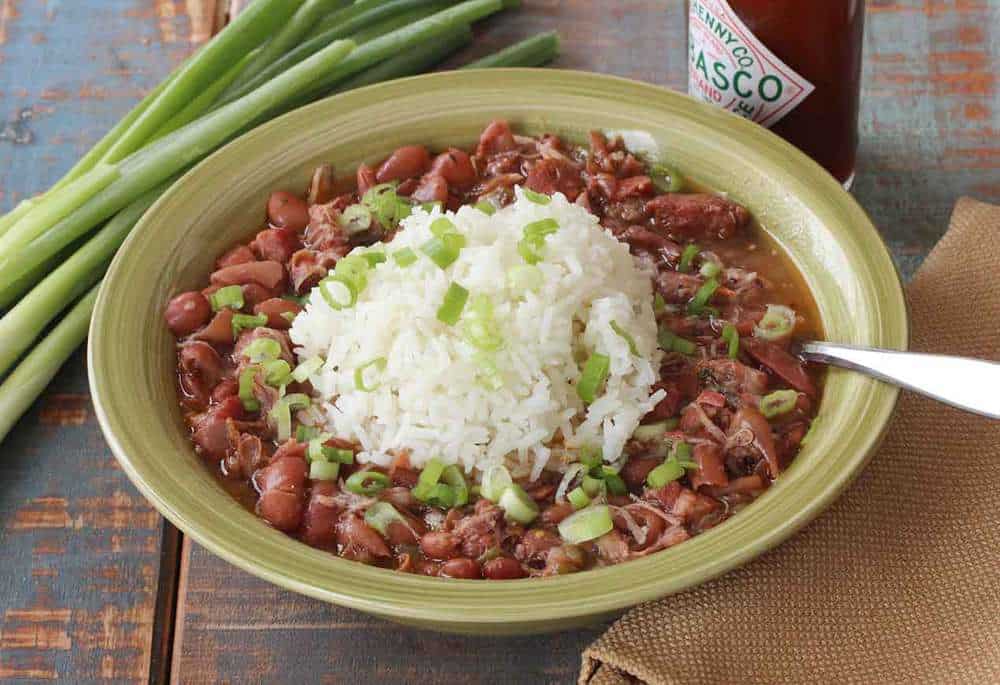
pixel 339 291
pixel 710 269
pixel 486 207
pixel 231 296
pixel 702 296
pixel 262 349
pixel 659 304
pixel 381 515
pixel 614 482
pixel 488 374
pixel 537 198
pixel 670 342
pixel 626 336
pixel 578 498
pixel 277 372
pixel 665 473
pixel 356 218
pixel 595 372
pixel 593 486
pixel 495 480
pixel 306 369
pixel 249 400
pixel 517 505
pixel 452 475
pixel 450 310
pixel 653 431
pixel 778 402
pixel 587 524
pixel 354 268
pixel 281 412
pixel 440 251
pixel 666 179
pixel 778 322
pixel 405 257
pixel 540 229
pixel 479 327
pixel 367 482
pixel 374 257
pixel 306 433
pixel 430 206
pixel 590 455
pixel 323 470
pixel 363 384
pixel 732 337
pixel 525 277
pixel 687 256
pixel 242 322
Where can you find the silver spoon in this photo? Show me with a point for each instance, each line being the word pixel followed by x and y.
pixel 962 382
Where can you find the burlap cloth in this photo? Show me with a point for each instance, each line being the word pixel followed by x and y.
pixel 899 581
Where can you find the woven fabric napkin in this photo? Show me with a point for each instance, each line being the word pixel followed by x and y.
pixel 899 581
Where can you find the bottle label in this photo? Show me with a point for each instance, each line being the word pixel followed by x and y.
pixel 729 67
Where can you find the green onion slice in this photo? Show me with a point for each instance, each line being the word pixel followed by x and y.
pixel 587 524
pixel 702 296
pixel 614 482
pixel 687 257
pixel 653 431
pixel 440 251
pixel 450 310
pixel 281 412
pixel 542 228
pixel 591 455
pixel 430 206
pixel 249 400
pixel 525 277
pixel 306 369
pixel 242 322
pixel 517 505
pixel 262 349
pixel 354 267
pixel 486 207
pixel 732 338
pixel 710 269
pixel 488 374
pixel 495 480
pixel 277 372
pixel 537 198
pixel 452 475
pixel 578 498
pixel 595 372
pixel 659 304
pixel 339 291
pixel 666 179
pixel 367 482
pixel 478 325
pixel 306 433
pixel 361 374
pixel 778 402
pixel 593 486
pixel 374 257
pixel 323 470
pixel 381 515
pixel 778 322
pixel 356 218
pixel 626 336
pixel 405 257
pixel 671 342
pixel 318 450
pixel 668 471
pixel 229 297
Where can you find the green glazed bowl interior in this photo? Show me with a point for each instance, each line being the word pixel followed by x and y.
pixel 827 235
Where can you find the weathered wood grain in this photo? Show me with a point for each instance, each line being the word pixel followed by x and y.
pixel 79 547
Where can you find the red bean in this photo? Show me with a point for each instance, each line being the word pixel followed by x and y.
pixel 255 293
pixel 358 540
pixel 407 161
pixel 241 254
pixel 454 166
pixel 187 312
pixel 557 512
pixel 503 568
pixel 268 274
pixel 279 312
pixel 201 368
pixel 432 188
pixel 276 244
pixel 320 518
pixel 398 534
pixel 285 210
pixel 282 492
pixel 226 388
pixel 219 330
pixel 636 469
pixel 461 568
pixel 439 545
pixel 366 178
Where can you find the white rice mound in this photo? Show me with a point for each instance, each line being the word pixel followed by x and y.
pixel 431 401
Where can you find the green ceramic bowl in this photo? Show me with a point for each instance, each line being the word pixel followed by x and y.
pixel 221 201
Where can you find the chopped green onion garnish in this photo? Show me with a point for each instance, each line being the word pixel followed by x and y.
pixel 651 431
pixel 429 206
pixel 452 475
pixel 517 505
pixel 430 474
pixel 626 336
pixel 450 310
pixel 367 482
pixel 306 433
pixel 486 207
pixel 356 218
pixel 525 277
pixel 242 322
pixel 377 365
pixel 542 228
pixel 307 368
pixel 440 252
pixel 478 325
pixel 778 402
pixel 405 257
pixel 614 482
pixel 666 179
pixel 702 296
pixel 537 198
pixel 530 246
pixel 670 342
pixel 454 492
pixel 354 268
pixel 778 322
pixel 261 349
pixel 249 400
pixel 659 304
pixel 732 338
pixel 687 257
pixel 578 498
pixel 666 472
pixel 374 257
pixel 281 412
pixel 386 205
pixel 231 296
pixel 323 470
pixel 595 372
pixel 277 372
pixel 318 450
pixel 586 524
pixel 443 226
pixel 710 269
pixel 593 486
pixel 590 455
pixel 381 515
pixel 495 480
pixel 339 291
pixel 488 374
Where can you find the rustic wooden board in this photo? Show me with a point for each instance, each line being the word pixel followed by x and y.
pixel 79 547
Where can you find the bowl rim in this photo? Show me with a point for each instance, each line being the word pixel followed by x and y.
pixel 250 561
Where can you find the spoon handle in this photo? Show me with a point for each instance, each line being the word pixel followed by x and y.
pixel 969 384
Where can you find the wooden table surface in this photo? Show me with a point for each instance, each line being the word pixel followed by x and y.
pixel 95 587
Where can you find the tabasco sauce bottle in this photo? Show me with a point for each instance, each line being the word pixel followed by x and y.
pixel 793 66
